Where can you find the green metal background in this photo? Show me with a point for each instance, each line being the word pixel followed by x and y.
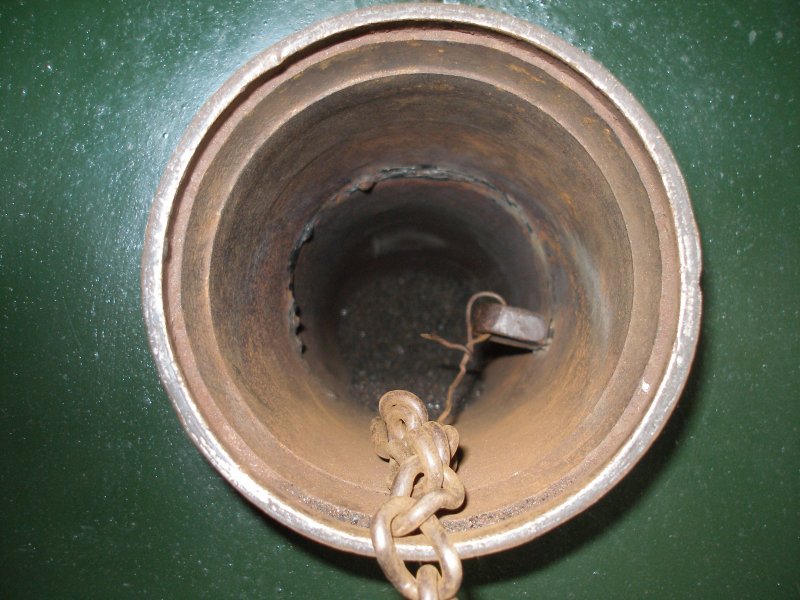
pixel 103 495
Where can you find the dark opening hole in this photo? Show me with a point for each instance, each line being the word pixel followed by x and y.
pixel 381 315
pixel 383 266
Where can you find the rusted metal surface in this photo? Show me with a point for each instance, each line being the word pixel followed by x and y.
pixel 513 158
pixel 423 483
pixel 511 325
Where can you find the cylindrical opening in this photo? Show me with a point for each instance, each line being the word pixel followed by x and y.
pixel 355 197
pixel 399 254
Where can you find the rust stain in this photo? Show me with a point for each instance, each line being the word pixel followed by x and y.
pixel 524 71
pixel 570 204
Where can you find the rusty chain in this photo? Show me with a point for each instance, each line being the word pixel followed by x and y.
pixel 415 446
pixel 420 452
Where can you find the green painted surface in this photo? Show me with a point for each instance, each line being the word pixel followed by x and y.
pixel 102 494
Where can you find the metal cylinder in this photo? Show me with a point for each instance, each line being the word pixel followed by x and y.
pixel 355 183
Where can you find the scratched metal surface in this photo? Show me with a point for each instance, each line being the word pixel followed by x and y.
pixel 102 494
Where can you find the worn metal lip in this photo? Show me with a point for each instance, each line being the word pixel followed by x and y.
pixel 156 250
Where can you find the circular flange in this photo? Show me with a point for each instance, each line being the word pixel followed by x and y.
pixel 524 519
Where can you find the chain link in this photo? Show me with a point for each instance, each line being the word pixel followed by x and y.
pixel 419 452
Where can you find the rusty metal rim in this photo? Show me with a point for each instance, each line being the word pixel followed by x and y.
pixel 156 249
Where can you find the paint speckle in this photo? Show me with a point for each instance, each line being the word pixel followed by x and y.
pixel 645 387
pixel 751 37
